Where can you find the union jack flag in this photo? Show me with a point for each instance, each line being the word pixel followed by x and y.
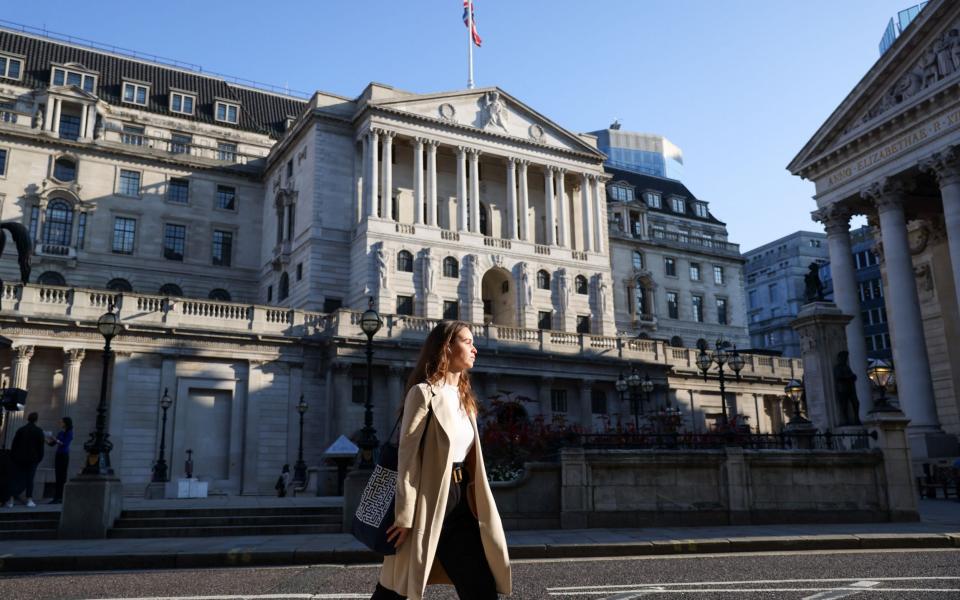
pixel 467 13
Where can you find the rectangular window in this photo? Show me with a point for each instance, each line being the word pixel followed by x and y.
pixel 405 305
pixel 583 324
pixel 332 304
pixel 678 205
pixel 132 135
pixel 558 401
pixel 63 76
pixel 718 275
pixel 451 310
pixel 673 308
pixel 178 190
pixel 226 112
pixel 544 320
pixel 694 271
pixel 697 302
pixel 598 402
pixel 299 271
pixel 722 311
pixel 876 288
pixel 618 220
pixel 180 143
pixel 226 197
pixel 670 266
pixel 129 183
pixel 269 293
pixel 700 209
pixel 227 151
pixel 653 199
pixel 135 93
pixel 182 103
pixel 69 127
pixel 10 67
pixel 222 248
pixel 621 193
pixel 81 229
pixel 772 292
pixel 3 162
pixel 174 241
pixel 289 169
pixel 34 220
pixel 124 235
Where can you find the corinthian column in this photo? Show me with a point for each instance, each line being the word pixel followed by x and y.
pixel 836 221
pixel 432 183
pixel 387 210
pixel 945 166
pixel 524 202
pixel 475 191
pixel 370 186
pixel 914 383
pixel 551 232
pixel 21 366
pixel 418 181
pixel 563 228
pixel 71 380
pixel 585 186
pixel 511 198
pixel 461 188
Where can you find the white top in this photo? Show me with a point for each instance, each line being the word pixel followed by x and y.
pixel 461 438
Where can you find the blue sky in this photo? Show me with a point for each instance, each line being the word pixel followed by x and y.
pixel 739 85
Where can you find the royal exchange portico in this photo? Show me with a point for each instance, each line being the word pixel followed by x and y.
pixel 890 152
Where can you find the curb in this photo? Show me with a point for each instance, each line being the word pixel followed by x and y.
pixel 240 557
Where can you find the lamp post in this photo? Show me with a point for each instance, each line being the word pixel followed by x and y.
pixel 99 445
pixel 300 468
pixel 636 385
pixel 721 356
pixel 794 390
pixel 880 373
pixel 160 467
pixel 622 386
pixel 370 323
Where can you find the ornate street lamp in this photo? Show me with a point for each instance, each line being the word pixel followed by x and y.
pixel 794 390
pixel 300 467
pixel 622 386
pixel 370 323
pixel 721 356
pixel 98 447
pixel 160 467
pixel 880 373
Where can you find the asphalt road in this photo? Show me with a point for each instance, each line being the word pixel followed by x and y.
pixel 900 574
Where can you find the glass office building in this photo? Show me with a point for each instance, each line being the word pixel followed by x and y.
pixel 896 26
pixel 644 153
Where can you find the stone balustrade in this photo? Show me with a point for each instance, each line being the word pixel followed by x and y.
pixel 186 314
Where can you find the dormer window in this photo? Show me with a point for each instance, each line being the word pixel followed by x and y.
pixel 10 66
pixel 182 103
pixel 62 75
pixel 678 205
pixel 226 112
pixel 622 193
pixel 700 209
pixel 652 199
pixel 135 93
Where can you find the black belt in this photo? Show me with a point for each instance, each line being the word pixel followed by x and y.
pixel 457 472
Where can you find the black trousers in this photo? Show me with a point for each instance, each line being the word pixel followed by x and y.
pixel 60 461
pixel 460 551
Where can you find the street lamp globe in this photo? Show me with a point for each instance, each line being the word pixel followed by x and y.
pixel 634 379
pixel 736 361
pixel 108 324
pixel 794 390
pixel 703 362
pixel 370 321
pixel 621 384
pixel 880 373
pixel 166 401
pixel 720 354
pixel 302 405
pixel 647 385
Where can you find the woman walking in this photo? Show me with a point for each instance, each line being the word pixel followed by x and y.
pixel 61 456
pixel 447 529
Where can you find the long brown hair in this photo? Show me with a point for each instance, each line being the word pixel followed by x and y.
pixel 434 362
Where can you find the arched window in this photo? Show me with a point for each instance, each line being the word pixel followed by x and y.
pixel 404 261
pixel 637 260
pixel 58 224
pixel 676 341
pixel 170 289
pixel 51 278
pixel 65 169
pixel 451 268
pixel 284 287
pixel 119 285
pixel 484 219
pixel 543 280
pixel 221 294
pixel 580 284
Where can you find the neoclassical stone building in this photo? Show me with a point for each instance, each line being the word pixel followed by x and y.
pixel 890 152
pixel 240 233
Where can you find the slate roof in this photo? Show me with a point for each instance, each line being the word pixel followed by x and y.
pixel 666 187
pixel 260 112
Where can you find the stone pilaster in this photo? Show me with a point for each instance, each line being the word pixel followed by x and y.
pixel 73 357
pixel 474 191
pixel 418 180
pixel 551 231
pixel 585 186
pixel 21 366
pixel 511 198
pixel 586 404
pixel 432 182
pixel 945 166
pixel 387 206
pixel 563 225
pixel 462 188
pixel 524 232
pixel 371 187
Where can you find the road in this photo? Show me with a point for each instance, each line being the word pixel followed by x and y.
pixel 828 575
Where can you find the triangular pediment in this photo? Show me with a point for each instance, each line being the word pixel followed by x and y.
pixel 490 110
pixel 923 62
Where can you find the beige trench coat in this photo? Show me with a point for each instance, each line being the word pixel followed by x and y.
pixel 423 482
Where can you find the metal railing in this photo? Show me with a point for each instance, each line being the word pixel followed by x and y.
pixel 714 440
pixel 182 148
pixel 694 240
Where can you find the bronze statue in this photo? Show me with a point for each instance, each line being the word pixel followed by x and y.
pixel 21 238
pixel 813 287
pixel 844 384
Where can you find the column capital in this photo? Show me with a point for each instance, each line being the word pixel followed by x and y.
pixel 560 171
pixel 835 218
pixel 887 193
pixel 474 153
pixel 418 142
pixel 432 145
pixel 524 163
pixel 388 135
pixel 74 355
pixel 23 352
pixel 462 151
pixel 944 165
pixel 512 161
pixel 375 132
pixel 549 169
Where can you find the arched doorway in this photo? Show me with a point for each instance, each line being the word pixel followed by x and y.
pixel 499 298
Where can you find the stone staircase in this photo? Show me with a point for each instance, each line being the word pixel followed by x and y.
pixel 29 524
pixel 212 522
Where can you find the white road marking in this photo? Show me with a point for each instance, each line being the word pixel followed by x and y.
pixel 755 581
pixel 343 596
pixel 852 590
pixel 642 591
pixel 720 555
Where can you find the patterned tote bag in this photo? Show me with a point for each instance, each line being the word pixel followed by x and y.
pixel 375 513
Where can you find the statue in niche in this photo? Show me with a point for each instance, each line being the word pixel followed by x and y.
pixel 526 291
pixel 38 117
pixel 473 272
pixel 563 290
pixel 844 384
pixel 813 287
pixel 380 256
pixel 428 271
pixel 494 112
pixel 602 295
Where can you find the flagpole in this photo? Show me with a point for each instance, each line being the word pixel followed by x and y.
pixel 470 44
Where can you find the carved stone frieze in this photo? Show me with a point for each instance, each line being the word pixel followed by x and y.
pixel 888 193
pixel 924 277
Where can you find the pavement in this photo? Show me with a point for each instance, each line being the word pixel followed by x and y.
pixel 939 527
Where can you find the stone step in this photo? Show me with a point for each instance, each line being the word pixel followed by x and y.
pixel 21 516
pixel 30 524
pixel 29 534
pixel 125 522
pixel 151 532
pixel 231 512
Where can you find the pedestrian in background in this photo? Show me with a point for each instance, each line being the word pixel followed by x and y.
pixel 61 456
pixel 446 528
pixel 283 481
pixel 26 452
